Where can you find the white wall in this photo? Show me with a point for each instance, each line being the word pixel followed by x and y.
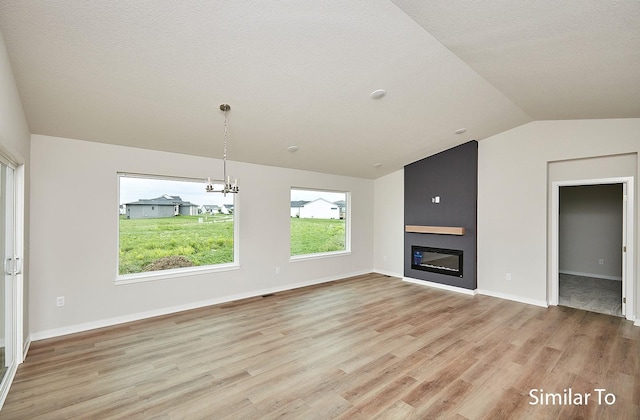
pixel 388 218
pixel 75 254
pixel 513 191
pixel 15 144
pixel 77 259
pixel 14 131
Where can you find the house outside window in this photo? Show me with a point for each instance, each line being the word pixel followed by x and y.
pixel 162 227
pixel 319 223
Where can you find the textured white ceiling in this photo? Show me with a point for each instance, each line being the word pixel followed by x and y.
pixel 152 74
pixel 569 59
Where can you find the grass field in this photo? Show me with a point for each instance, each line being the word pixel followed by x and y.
pixel 145 241
pixel 311 236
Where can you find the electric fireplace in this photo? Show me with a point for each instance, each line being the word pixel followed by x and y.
pixel 437 260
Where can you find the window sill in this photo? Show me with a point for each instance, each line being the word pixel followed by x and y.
pixel 306 257
pixel 173 273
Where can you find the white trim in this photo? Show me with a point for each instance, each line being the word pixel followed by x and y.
pixel 513 298
pixel 440 286
pixel 15 319
pixel 637 323
pixel 318 256
pixel 72 329
pixel 347 227
pixel 629 278
pixel 553 295
pixel 6 157
pixel 25 347
pixel 173 273
pixel 387 273
pixel 596 276
pixel 237 210
pixel 6 382
pixel 19 176
pixel 163 178
pixel 178 272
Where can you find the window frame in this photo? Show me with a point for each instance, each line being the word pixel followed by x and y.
pixel 122 279
pixel 347 227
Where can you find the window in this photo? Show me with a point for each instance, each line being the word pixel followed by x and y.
pixel 172 223
pixel 319 222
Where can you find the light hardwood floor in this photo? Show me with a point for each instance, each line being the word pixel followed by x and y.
pixel 361 348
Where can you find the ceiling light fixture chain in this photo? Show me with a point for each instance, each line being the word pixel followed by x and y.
pixel 228 187
pixel 225 108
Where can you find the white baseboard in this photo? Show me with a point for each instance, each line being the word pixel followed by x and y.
pixel 387 273
pixel 520 299
pixel 72 329
pixel 439 286
pixel 596 276
pixel 25 348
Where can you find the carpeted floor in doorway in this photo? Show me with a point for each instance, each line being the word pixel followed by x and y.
pixel 591 294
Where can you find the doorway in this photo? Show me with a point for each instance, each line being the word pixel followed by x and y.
pixel 11 199
pixel 599 260
pixel 590 251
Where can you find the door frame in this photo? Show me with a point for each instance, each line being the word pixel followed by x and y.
pixel 628 238
pixel 17 292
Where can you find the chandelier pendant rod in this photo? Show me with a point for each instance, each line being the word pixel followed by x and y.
pixel 228 186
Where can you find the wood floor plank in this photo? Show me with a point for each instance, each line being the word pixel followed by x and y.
pixel 365 347
pixel 447 401
pixel 482 399
pixel 398 410
pixel 377 401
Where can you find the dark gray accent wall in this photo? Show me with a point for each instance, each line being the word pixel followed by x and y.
pixel 451 175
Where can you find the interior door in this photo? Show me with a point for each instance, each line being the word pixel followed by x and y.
pixel 11 268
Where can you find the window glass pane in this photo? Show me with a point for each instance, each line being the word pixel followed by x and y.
pixel 168 223
pixel 318 221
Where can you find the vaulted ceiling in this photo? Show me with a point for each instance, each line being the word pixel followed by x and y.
pixel 152 74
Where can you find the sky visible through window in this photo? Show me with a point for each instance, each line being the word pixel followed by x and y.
pixel 133 189
pixel 310 195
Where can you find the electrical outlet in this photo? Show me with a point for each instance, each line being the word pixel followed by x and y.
pixel 508 276
pixel 60 301
pixel 277 270
pixel 601 261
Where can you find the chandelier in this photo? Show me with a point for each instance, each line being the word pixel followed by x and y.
pixel 228 186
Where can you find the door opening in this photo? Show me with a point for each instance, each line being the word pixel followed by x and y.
pixel 590 251
pixel 591 238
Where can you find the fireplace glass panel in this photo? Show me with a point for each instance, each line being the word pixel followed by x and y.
pixel 437 260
